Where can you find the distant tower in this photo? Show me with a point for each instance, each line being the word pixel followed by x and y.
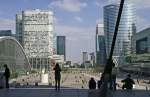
pixel 5 33
pixel 85 57
pixel 100 45
pixel 61 46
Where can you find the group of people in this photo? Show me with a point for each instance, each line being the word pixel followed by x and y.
pixel 128 82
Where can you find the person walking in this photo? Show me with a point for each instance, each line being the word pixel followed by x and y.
pixel 128 83
pixel 6 75
pixel 57 70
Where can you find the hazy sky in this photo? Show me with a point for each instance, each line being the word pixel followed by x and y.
pixel 76 19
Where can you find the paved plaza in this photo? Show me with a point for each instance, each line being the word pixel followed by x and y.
pixel 73 84
pixel 49 92
pixel 44 93
pixel 134 93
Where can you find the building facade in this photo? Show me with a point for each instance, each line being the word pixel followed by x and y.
pixel 54 43
pixel 125 30
pixel 100 45
pixel 36 29
pixel 142 42
pixel 92 58
pixel 84 58
pixel 12 54
pixel 5 33
pixel 61 46
pixel 19 31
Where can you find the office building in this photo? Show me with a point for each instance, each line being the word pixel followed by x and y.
pixel 100 45
pixel 61 46
pixel 19 27
pixel 84 58
pixel 125 31
pixel 36 31
pixel 142 42
pixel 5 33
pixel 54 44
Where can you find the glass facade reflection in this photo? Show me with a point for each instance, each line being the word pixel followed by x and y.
pixel 125 31
pixel 12 54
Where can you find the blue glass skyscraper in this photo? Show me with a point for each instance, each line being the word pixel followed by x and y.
pixel 128 19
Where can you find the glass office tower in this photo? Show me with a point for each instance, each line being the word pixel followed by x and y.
pixel 100 45
pixel 61 46
pixel 128 19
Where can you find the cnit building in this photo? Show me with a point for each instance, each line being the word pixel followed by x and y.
pixel 34 29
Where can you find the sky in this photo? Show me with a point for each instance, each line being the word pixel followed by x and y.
pixel 76 19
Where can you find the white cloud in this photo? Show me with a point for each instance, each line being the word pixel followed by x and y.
pixel 141 4
pixel 79 19
pixel 68 5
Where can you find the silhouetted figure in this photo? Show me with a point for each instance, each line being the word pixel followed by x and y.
pixel 99 83
pixel 113 82
pixel 57 76
pixel 128 83
pixel 36 83
pixel 7 75
pixel 92 83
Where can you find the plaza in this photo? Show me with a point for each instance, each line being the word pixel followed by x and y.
pixel 73 84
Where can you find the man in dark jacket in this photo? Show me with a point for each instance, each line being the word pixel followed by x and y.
pixel 92 83
pixel 7 75
pixel 57 76
pixel 128 83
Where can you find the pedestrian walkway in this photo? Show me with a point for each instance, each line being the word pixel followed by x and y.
pixel 68 92
pixel 43 92
pixel 134 93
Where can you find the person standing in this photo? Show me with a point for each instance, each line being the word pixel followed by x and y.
pixel 92 83
pixel 57 70
pixel 6 75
